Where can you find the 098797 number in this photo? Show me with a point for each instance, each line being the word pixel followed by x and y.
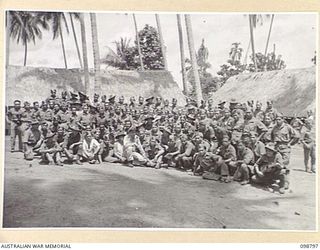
pixel 309 246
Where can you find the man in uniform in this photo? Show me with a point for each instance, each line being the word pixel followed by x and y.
pixel 284 137
pixel 154 153
pixel 85 116
pixel 36 111
pixel 73 145
pixel 253 124
pixel 258 112
pixel 270 110
pixel 14 117
pixel 32 140
pixel 205 163
pixel 228 154
pixel 245 159
pixel 269 169
pixel 308 137
pixel 187 150
pixel 45 113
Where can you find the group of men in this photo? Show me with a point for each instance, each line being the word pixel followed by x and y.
pixel 229 142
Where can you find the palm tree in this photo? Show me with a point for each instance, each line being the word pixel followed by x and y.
pixel 8 28
pixel 58 19
pixel 193 59
pixel 138 41
pixel 182 57
pixel 96 52
pixel 118 58
pixel 76 16
pixel 163 49
pixel 26 27
pixel 269 33
pixel 253 21
pixel 84 53
pixel 251 24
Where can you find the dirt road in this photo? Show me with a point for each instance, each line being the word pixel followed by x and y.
pixel 111 195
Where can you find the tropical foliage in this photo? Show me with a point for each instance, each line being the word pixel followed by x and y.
pixel 234 67
pixel 126 57
pixel 208 83
pixel 26 27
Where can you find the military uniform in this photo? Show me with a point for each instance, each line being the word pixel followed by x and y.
pixel 16 129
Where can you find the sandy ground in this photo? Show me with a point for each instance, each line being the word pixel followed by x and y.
pixel 112 195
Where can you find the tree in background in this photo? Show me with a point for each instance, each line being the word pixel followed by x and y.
pixel 150 48
pixel 267 63
pixel 26 27
pixel 234 67
pixel 96 52
pixel 126 57
pixel 208 83
pixel 235 53
pixel 58 20
pixel 76 16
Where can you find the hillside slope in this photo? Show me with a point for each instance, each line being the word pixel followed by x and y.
pixel 34 84
pixel 292 90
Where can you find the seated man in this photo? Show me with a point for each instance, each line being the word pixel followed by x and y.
pixel 187 150
pixel 117 154
pixel 90 148
pixel 50 150
pixel 242 168
pixel 269 169
pixel 73 145
pixel 228 155
pixel 32 140
pixel 172 150
pixel 154 153
pixel 205 162
pixel 133 150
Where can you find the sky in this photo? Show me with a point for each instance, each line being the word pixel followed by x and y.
pixel 294 36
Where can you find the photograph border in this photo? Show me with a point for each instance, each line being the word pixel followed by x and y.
pixel 155 234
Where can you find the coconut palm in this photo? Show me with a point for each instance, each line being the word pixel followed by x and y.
pixel 119 57
pixel 26 27
pixel 75 16
pixel 138 41
pixel 254 20
pixel 163 49
pixel 84 53
pixel 96 52
pixel 193 59
pixel 182 56
pixel 269 33
pixel 8 28
pixel 58 20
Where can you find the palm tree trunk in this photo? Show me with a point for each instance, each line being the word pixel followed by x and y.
pixel 270 28
pixel 8 37
pixel 96 53
pixel 138 41
pixel 84 54
pixel 63 49
pixel 75 40
pixel 246 55
pixel 163 48
pixel 182 57
pixel 252 43
pixel 193 59
pixel 25 52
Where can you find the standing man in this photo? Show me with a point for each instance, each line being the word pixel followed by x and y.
pixel 14 117
pixel 308 136
pixel 284 137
